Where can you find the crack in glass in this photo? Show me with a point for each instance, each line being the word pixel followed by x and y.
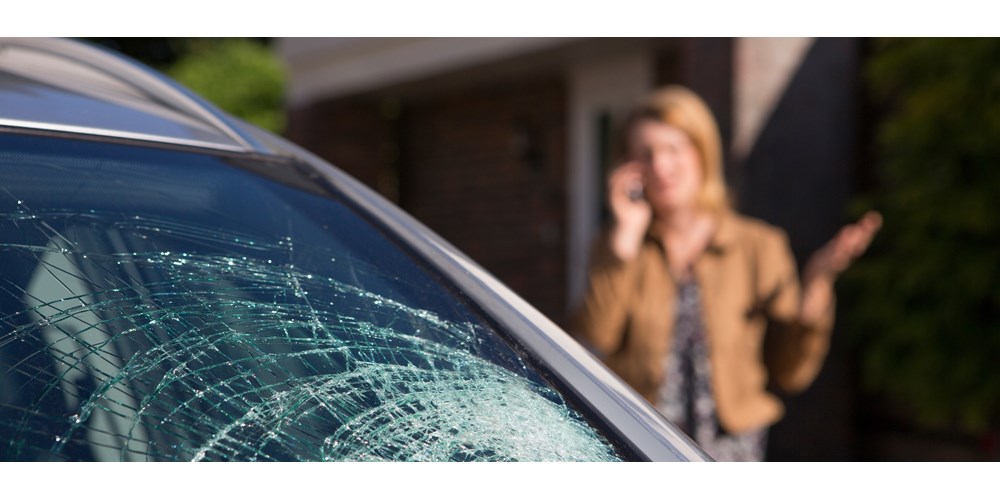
pixel 115 346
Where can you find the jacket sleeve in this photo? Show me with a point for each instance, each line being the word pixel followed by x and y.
pixel 599 323
pixel 793 351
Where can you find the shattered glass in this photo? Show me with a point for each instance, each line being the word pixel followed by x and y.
pixel 165 305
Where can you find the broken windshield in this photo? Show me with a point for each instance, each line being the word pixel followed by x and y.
pixel 164 305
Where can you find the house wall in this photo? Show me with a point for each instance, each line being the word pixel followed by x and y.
pixel 353 134
pixel 485 167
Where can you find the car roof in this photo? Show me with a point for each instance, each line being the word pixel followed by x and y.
pixel 68 86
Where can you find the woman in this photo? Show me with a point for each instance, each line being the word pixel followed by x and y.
pixel 682 290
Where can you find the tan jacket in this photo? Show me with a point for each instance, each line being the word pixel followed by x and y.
pixel 749 285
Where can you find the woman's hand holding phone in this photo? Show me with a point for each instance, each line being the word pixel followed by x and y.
pixel 631 212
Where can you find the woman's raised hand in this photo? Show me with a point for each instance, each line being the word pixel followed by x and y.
pixel 850 242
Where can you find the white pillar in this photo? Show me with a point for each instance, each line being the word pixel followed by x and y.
pixel 763 68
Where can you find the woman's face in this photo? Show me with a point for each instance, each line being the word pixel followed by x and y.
pixel 672 173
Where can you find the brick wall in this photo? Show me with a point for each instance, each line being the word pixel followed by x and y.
pixel 354 134
pixel 485 168
pixel 483 165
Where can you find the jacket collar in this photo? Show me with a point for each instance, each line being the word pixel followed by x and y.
pixel 725 234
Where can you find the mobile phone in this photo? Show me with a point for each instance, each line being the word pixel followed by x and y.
pixel 635 193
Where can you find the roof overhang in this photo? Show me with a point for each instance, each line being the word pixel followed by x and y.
pixel 323 68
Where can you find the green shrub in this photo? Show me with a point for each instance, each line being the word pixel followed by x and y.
pixel 240 76
pixel 924 304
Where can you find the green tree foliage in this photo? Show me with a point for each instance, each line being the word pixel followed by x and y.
pixel 241 76
pixel 925 302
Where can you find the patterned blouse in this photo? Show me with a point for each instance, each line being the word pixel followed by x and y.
pixel 685 396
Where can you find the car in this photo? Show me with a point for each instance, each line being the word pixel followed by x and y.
pixel 178 285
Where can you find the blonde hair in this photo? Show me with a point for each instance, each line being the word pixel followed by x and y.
pixel 679 107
